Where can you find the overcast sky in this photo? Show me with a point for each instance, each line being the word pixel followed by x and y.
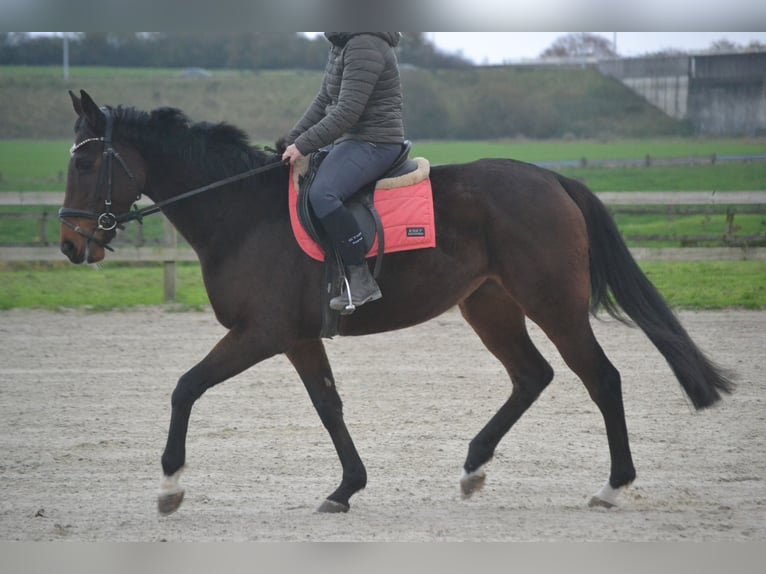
pixel 499 47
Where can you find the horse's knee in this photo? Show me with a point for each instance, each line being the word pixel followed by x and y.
pixel 187 391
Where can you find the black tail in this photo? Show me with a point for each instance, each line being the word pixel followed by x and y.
pixel 612 268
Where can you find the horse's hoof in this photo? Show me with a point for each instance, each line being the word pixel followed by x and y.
pixel 596 502
pixel 169 503
pixel 472 482
pixel 606 497
pixel 332 507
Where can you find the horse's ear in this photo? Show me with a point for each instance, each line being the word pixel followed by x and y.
pixel 76 103
pixel 92 113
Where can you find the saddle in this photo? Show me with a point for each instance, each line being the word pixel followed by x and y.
pixel 361 205
pixel 404 171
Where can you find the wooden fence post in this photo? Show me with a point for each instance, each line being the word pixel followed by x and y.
pixel 42 228
pixel 729 224
pixel 169 240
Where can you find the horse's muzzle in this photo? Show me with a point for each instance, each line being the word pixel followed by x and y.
pixel 73 254
pixel 79 249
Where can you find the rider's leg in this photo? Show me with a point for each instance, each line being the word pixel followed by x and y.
pixel 348 167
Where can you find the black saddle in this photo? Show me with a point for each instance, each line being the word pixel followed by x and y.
pixel 362 206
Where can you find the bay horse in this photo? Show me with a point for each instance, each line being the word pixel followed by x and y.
pixel 514 241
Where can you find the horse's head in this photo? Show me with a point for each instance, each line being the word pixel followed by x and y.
pixel 105 177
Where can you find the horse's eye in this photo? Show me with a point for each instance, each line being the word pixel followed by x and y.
pixel 83 163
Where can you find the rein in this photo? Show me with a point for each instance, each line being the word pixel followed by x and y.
pixel 107 221
pixel 139 214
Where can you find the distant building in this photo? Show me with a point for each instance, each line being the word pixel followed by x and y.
pixel 719 94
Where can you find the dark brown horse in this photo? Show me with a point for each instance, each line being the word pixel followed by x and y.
pixel 513 241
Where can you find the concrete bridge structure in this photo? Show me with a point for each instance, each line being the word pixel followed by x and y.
pixel 719 94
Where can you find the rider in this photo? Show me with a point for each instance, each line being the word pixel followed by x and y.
pixel 357 117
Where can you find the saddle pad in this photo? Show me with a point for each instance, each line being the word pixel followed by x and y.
pixel 407 213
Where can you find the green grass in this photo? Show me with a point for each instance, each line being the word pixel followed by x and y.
pixel 710 285
pixel 32 165
pixel 730 177
pixel 687 285
pixel 108 286
pixel 563 150
pixel 20 225
pixel 36 104
pixel 683 227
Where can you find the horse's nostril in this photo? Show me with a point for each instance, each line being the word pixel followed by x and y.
pixel 67 248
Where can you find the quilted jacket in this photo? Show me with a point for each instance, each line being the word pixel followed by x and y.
pixel 360 96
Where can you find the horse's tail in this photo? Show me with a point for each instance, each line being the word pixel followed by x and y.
pixel 613 269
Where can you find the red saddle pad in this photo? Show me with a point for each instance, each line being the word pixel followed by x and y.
pixel 407 214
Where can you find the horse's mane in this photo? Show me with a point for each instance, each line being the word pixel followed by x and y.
pixel 217 149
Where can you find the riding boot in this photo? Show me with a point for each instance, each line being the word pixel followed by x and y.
pixel 347 239
pixel 362 286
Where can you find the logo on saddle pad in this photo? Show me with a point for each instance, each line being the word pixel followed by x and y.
pixel 404 204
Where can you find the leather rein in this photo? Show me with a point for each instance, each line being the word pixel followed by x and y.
pixel 108 221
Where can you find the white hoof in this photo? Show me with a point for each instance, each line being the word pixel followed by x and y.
pixel 606 497
pixel 171 493
pixel 472 482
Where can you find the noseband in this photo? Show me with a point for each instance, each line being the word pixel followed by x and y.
pixel 108 221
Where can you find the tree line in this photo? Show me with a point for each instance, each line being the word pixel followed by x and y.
pixel 213 50
pixel 266 50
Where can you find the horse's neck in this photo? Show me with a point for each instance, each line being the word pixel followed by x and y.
pixel 218 218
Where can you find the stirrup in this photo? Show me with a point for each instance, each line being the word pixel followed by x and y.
pixel 350 307
pixel 346 303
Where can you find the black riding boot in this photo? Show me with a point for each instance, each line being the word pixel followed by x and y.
pixel 347 239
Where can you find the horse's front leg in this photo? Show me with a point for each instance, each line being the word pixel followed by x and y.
pixel 310 360
pixel 233 354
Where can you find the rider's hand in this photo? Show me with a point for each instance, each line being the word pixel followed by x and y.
pixel 292 153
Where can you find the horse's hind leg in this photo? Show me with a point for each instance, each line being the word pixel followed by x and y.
pixel 580 350
pixel 500 324
pixel 310 360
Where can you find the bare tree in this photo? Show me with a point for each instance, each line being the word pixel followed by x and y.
pixel 723 45
pixel 667 53
pixel 580 45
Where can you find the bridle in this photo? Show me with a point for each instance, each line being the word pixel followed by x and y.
pixel 108 221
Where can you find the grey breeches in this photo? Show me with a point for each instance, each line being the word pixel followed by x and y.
pixel 349 166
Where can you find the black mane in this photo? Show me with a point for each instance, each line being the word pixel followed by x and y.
pixel 217 149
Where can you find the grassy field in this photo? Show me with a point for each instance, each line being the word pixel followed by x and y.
pixel 31 165
pixel 687 285
pixel 109 286
pixel 471 103
pixel 40 165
